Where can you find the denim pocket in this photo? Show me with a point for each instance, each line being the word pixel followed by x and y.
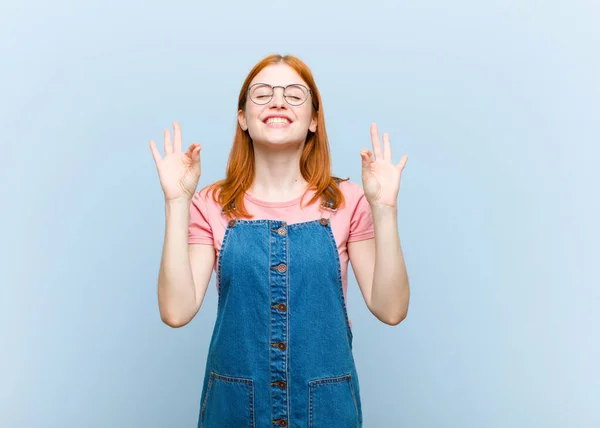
pixel 229 402
pixel 332 403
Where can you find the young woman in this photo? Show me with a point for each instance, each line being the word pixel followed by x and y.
pixel 281 348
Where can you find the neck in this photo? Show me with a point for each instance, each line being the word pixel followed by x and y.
pixel 277 174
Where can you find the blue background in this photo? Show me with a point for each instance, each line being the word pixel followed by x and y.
pixel 496 104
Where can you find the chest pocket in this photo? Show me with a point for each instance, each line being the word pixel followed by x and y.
pixel 229 402
pixel 332 403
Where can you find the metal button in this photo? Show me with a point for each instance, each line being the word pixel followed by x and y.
pixel 281 307
pixel 281 346
pixel 281 384
pixel 324 221
pixel 281 231
pixel 231 223
pixel 281 267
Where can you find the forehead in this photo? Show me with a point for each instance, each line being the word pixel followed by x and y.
pixel 278 75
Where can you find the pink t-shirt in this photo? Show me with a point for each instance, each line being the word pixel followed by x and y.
pixel 353 222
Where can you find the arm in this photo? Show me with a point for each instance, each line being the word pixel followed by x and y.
pixel 387 293
pixel 379 267
pixel 185 269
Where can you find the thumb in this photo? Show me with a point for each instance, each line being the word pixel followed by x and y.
pixel 365 156
pixel 196 153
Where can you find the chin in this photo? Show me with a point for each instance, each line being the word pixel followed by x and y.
pixel 280 141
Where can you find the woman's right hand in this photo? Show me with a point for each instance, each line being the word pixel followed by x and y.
pixel 178 172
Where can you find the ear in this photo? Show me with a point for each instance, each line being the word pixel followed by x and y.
pixel 241 116
pixel 313 124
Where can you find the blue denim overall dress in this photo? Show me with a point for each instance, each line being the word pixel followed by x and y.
pixel 281 348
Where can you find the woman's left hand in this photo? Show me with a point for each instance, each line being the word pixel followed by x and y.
pixel 380 177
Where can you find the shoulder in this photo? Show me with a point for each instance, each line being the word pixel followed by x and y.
pixel 350 187
pixel 352 191
pixel 206 193
pixel 203 200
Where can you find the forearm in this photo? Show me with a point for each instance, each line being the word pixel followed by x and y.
pixel 176 291
pixel 390 291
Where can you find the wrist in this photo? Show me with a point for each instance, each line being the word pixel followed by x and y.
pixel 182 200
pixel 177 205
pixel 383 210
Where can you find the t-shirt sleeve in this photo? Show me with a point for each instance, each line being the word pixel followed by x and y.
pixel 200 231
pixel 361 223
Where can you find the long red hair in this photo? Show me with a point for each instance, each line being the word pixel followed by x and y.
pixel 315 161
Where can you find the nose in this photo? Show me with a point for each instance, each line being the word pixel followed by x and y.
pixel 278 99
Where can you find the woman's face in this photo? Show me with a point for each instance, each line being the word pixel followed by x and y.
pixel 277 122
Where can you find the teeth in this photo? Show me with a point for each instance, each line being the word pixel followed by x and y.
pixel 277 120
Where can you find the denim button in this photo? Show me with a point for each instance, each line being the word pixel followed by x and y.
pixel 281 267
pixel 281 231
pixel 281 384
pixel 280 422
pixel 281 345
pixel 324 221
pixel 281 307
pixel 231 223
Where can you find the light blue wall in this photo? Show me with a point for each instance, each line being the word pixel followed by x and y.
pixel 496 104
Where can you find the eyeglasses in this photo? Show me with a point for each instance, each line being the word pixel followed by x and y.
pixel 295 95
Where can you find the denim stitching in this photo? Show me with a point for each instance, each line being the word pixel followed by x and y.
pixel 354 398
pixel 248 382
pixel 251 404
pixel 312 386
pixel 287 322
pixel 210 379
pixel 339 280
pixel 270 319
pixel 220 264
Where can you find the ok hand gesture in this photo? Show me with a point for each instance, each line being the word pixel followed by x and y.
pixel 179 172
pixel 380 177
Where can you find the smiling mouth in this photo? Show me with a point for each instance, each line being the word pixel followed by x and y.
pixel 277 122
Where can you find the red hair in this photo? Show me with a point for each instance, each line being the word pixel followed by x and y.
pixel 315 161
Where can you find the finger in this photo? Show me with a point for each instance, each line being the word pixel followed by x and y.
pixel 402 163
pixel 155 153
pixel 177 137
pixel 376 143
pixel 193 150
pixel 387 148
pixel 168 143
pixel 196 154
pixel 366 157
pixel 192 147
